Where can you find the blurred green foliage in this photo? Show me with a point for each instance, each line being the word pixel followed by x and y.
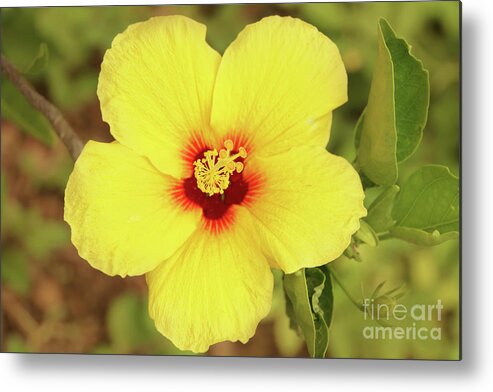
pixel 427 273
pixel 60 51
pixel 130 330
pixel 26 234
pixel 72 40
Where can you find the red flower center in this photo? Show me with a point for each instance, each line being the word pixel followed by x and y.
pixel 216 206
pixel 217 181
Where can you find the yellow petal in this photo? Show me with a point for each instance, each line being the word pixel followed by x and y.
pixel 217 287
pixel 123 216
pixel 309 206
pixel 277 84
pixel 155 88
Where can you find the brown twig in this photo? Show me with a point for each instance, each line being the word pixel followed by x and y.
pixel 60 125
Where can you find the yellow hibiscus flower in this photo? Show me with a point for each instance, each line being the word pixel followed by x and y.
pixel 218 173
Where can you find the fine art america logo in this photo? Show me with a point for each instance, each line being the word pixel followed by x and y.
pixel 416 315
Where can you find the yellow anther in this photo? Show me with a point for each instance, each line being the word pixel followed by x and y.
pixel 231 166
pixel 239 167
pixel 242 152
pixel 229 144
pixel 214 170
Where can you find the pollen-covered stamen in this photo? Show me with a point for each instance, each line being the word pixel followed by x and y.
pixel 214 170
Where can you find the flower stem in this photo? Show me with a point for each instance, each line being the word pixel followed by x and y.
pixel 338 280
pixel 60 125
pixel 358 305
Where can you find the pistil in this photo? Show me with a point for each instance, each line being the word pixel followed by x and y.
pixel 213 172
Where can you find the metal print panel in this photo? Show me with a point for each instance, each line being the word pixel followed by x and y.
pixel 266 180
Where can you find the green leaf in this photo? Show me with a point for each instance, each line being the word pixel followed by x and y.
pixel 380 211
pixel 16 109
pixel 40 61
pixel 366 234
pixel 412 94
pixel 377 290
pixel 427 209
pixel 309 304
pixel 391 126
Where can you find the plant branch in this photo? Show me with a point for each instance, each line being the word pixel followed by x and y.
pixel 60 125
pixel 338 280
